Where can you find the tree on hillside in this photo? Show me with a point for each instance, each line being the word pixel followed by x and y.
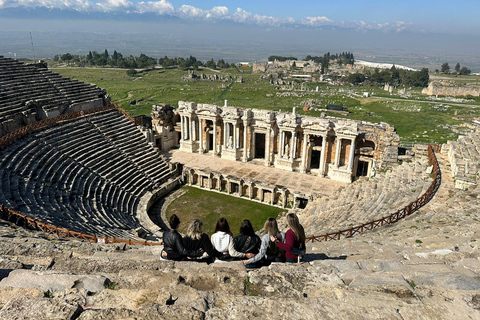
pixel 445 68
pixel 457 68
pixel 465 71
pixel 211 64
pixel 422 78
pixel 356 78
pixel 131 72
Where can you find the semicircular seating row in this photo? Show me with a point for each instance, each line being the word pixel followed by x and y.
pixel 21 82
pixel 368 199
pixel 87 176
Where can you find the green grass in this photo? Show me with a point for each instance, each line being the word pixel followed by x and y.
pixel 415 121
pixel 210 206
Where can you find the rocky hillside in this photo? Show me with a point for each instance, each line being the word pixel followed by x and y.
pixel 425 267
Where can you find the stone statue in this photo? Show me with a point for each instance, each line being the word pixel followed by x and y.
pixel 286 152
pixel 230 142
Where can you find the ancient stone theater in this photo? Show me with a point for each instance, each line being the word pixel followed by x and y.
pixel 340 149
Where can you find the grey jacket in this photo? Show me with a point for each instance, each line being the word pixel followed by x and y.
pixel 263 248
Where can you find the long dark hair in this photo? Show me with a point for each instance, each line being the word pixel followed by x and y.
pixel 174 221
pixel 222 225
pixel 246 228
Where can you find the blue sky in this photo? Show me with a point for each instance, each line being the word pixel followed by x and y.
pixel 425 16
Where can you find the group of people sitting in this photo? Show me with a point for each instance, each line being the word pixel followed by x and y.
pixel 255 252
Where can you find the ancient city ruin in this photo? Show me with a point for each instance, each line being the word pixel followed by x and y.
pixel 340 149
pixel 449 88
pixel 76 188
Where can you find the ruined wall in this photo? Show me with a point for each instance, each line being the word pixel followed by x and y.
pixel 449 88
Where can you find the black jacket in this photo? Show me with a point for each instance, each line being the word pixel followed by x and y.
pixel 203 243
pixel 247 244
pixel 173 246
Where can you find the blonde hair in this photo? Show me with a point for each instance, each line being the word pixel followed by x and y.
pixel 297 228
pixel 194 230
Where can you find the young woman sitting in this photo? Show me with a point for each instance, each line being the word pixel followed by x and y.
pixel 294 239
pixel 195 239
pixel 222 240
pixel 247 242
pixel 173 248
pixel 269 252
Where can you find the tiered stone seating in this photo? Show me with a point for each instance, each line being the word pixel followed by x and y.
pixel 464 157
pixel 87 175
pixel 368 198
pixel 29 91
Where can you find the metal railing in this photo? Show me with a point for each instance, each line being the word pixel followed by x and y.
pixel 34 224
pixel 397 215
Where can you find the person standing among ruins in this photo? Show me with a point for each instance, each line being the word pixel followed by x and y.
pixel 222 240
pixel 269 252
pixel 294 245
pixel 195 239
pixel 173 248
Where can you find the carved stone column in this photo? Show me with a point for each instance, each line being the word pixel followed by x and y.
pixel 235 136
pixel 337 152
pixel 182 133
pixel 214 137
pixel 245 144
pixel 303 167
pixel 200 133
pixel 293 146
pixel 267 147
pixel 225 134
pixel 352 155
pixel 323 155
pixel 190 128
pixel 282 143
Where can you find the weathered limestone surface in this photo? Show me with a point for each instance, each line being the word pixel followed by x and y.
pixel 448 88
pixel 87 175
pixel 464 157
pixel 424 267
pixel 31 92
pixel 367 198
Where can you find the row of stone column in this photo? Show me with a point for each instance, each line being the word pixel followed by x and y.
pixel 288 149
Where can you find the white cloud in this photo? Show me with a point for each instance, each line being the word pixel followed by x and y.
pixel 114 5
pixel 316 21
pixel 78 5
pixel 218 13
pixel 159 7
pixel 241 15
pixel 189 12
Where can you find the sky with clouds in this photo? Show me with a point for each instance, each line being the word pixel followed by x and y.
pixel 425 16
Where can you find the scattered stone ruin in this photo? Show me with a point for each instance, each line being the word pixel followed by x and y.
pixel 289 141
pixel 31 92
pixel 191 76
pixel 464 156
pixel 449 88
pixel 96 172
